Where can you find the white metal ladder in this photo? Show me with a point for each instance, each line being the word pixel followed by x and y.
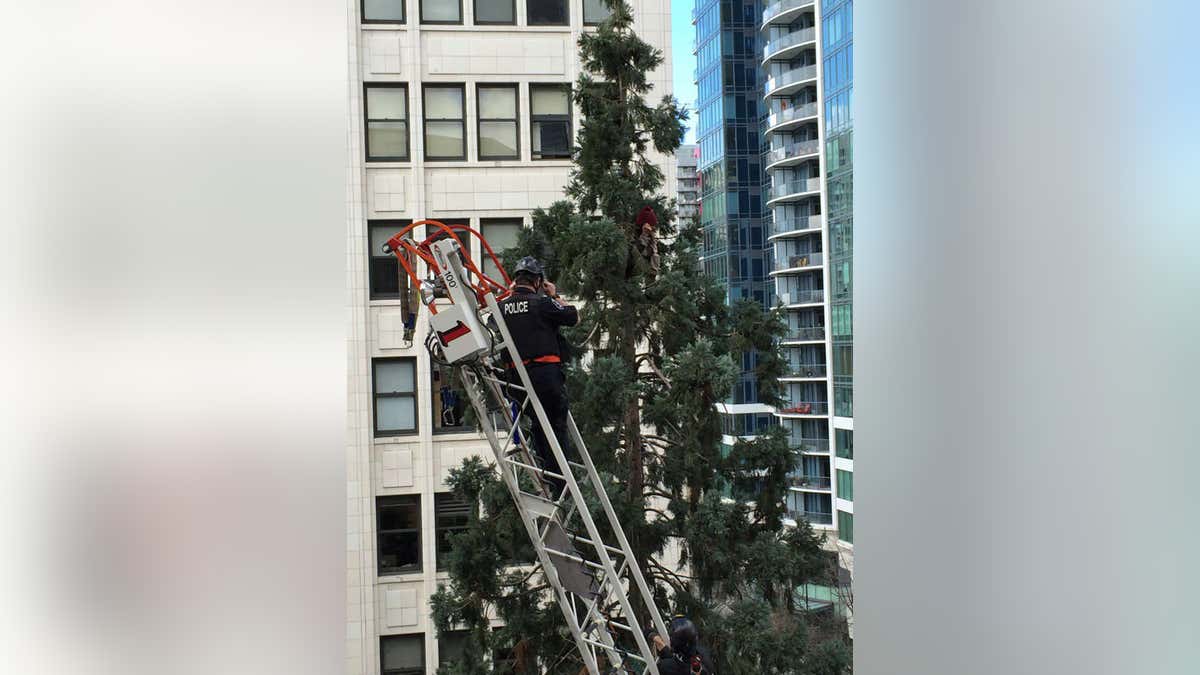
pixel 597 583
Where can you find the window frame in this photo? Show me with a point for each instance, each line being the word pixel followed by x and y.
pixel 367 86
pixel 442 500
pixel 566 19
pixel 477 22
pixel 583 12
pixel 539 156
pixel 394 501
pixel 462 121
pixel 424 22
pixel 362 14
pixel 479 120
pixel 373 255
pixel 484 223
pixel 418 638
pixel 375 396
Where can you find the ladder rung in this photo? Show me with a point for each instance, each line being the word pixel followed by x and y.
pixel 610 549
pixel 616 649
pixel 536 470
pixel 575 558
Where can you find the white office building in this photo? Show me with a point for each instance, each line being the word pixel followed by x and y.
pixel 459 111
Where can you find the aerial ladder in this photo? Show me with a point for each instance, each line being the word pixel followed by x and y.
pixel 584 555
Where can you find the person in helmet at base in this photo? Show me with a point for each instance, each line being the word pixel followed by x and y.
pixel 684 655
pixel 534 315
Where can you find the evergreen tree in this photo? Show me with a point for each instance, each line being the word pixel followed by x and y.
pixel 663 349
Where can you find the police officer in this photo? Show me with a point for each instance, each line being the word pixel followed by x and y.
pixel 534 314
pixel 684 656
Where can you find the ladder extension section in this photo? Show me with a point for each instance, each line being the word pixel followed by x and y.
pixel 579 542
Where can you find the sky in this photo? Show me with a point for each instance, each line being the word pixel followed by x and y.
pixel 683 61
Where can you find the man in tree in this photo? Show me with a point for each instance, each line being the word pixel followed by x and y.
pixel 533 315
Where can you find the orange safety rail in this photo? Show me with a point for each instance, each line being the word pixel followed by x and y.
pixel 483 285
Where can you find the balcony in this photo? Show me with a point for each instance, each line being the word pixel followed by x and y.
pixel 787 46
pixel 792 154
pixel 794 190
pixel 811 334
pixel 790 81
pixel 802 371
pixel 800 408
pixel 797 298
pixel 814 517
pixel 794 227
pixel 800 262
pixel 810 482
pixel 784 11
pixel 791 118
pixel 811 446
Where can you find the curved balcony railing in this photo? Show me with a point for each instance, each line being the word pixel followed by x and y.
pixel 776 10
pixel 810 482
pixel 791 115
pixel 810 333
pixel 800 261
pixel 814 517
pixel 801 297
pixel 810 445
pixel 804 408
pixel 790 40
pixel 793 151
pixel 806 370
pixel 796 187
pixel 801 224
pixel 788 78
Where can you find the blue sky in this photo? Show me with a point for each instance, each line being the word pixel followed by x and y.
pixel 682 61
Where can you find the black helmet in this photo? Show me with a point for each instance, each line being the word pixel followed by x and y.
pixel 528 265
pixel 683 635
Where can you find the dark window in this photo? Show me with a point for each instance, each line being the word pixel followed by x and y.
pixel 441 11
pixel 450 516
pixel 498 121
pixel 449 401
pixel 595 12
pixel 845 443
pixel 395 382
pixel 501 234
pixel 398 524
pixel 386 111
pixel 550 120
pixel 388 278
pixel 383 11
pixel 496 12
pixel 451 645
pixel 402 654
pixel 445 125
pixel 547 12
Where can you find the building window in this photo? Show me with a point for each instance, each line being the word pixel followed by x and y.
pixel 441 11
pixel 445 126
pixel 595 12
pixel 845 443
pixel 388 279
pixel 402 654
pixel 386 111
pixel 398 525
pixel 550 120
pixel 449 401
pixel 451 515
pixel 846 527
pixel 496 12
pixel 383 11
pixel 547 12
pixel 498 121
pixel 395 382
pixel 501 234
pixel 451 645
pixel 845 485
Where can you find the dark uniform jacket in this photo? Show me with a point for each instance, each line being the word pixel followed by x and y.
pixel 533 320
pixel 668 664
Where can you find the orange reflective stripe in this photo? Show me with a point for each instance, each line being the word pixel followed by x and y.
pixel 549 358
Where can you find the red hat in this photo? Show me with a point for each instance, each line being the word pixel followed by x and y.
pixel 646 217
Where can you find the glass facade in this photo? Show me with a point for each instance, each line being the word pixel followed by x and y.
pixel 729 110
pixel 837 41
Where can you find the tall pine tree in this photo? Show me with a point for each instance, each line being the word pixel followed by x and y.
pixel 662 349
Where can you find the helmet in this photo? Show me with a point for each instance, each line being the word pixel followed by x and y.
pixel 683 635
pixel 528 265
